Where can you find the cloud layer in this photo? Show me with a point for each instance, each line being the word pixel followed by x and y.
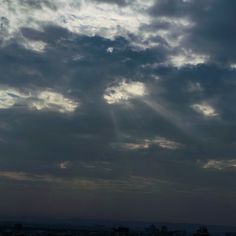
pixel 124 103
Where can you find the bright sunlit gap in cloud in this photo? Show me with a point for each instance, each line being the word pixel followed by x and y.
pixel 124 92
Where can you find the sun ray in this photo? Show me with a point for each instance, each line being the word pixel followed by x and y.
pixel 117 131
pixel 171 117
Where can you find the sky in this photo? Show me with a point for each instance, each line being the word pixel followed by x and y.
pixel 119 110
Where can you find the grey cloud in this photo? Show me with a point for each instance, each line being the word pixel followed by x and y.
pixel 118 2
pixel 212 32
pixel 94 142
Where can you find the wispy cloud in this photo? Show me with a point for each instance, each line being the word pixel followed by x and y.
pixel 49 100
pixel 205 109
pixel 160 142
pixel 129 184
pixel 11 96
pixel 39 100
pixel 23 176
pixel 186 57
pixel 219 164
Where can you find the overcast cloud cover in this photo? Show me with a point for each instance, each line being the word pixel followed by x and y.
pixel 118 109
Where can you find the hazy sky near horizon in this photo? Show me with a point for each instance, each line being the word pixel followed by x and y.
pixel 118 109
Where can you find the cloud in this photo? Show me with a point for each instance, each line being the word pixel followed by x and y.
pixel 161 142
pixel 166 144
pixel 186 58
pixel 87 168
pixel 208 34
pixel 110 50
pixel 205 109
pixel 124 91
pixel 43 100
pixel 11 96
pixel 36 46
pixel 118 2
pixel 81 17
pixel 48 100
pixel 220 164
pixel 135 146
pixel 195 87
pixel 130 184
pixel 23 176
pixel 64 164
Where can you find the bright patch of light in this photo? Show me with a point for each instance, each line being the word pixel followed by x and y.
pixel 110 50
pixel 205 109
pixel 136 146
pixel 54 101
pixel 37 46
pixel 124 91
pixel 166 144
pixel 44 100
pixel 9 97
pixel 187 57
pixel 233 66
pixel 64 165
